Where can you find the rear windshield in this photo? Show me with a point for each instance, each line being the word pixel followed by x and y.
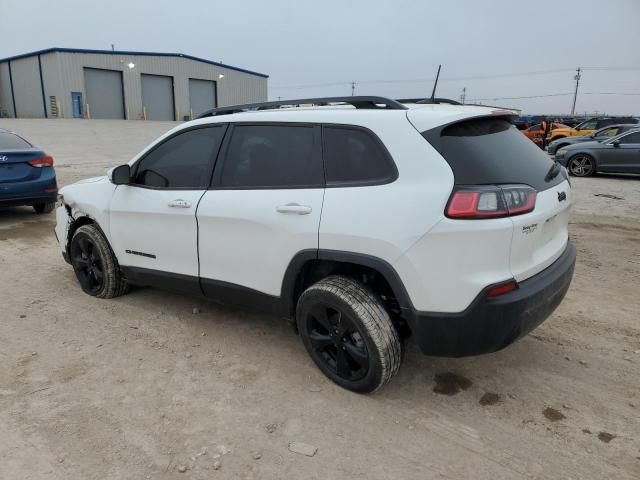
pixel 9 141
pixel 486 151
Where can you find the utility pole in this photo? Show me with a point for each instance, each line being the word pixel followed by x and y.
pixel 353 88
pixel 463 95
pixel 576 77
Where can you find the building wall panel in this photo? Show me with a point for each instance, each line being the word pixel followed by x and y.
pixel 6 103
pixel 26 87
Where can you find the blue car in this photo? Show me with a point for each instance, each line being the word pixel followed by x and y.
pixel 27 176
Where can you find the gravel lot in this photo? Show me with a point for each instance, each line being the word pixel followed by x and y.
pixel 143 387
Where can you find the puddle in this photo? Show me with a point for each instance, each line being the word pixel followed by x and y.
pixel 489 398
pixel 606 437
pixel 606 195
pixel 553 414
pixel 450 383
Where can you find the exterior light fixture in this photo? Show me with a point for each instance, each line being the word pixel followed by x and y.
pixel 131 65
pixel 221 76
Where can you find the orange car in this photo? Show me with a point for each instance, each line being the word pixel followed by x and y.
pixel 535 132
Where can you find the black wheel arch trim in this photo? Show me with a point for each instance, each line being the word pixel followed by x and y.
pixel 384 268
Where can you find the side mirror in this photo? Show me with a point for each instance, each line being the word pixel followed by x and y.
pixel 120 175
pixel 616 143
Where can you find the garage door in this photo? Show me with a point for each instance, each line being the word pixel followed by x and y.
pixel 104 93
pixel 157 97
pixel 202 95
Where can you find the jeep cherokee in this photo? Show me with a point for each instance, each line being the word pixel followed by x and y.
pixel 365 220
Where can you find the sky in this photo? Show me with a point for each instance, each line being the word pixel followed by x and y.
pixel 500 50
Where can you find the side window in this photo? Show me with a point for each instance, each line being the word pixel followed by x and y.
pixel 182 161
pixel 588 125
pixel 353 156
pixel 631 138
pixel 535 127
pixel 605 122
pixel 272 156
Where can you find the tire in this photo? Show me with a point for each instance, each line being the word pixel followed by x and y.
pixel 581 165
pixel 44 207
pixel 95 265
pixel 348 333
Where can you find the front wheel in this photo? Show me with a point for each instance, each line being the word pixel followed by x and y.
pixel 348 333
pixel 95 265
pixel 581 165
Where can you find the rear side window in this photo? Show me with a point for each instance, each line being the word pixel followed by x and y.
pixel 631 138
pixel 9 141
pixel 272 156
pixel 490 151
pixel 355 156
pixel 182 161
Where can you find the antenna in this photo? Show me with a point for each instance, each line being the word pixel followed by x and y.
pixel 435 84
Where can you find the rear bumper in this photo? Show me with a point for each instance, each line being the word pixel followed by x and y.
pixel 491 324
pixel 30 192
pixel 30 199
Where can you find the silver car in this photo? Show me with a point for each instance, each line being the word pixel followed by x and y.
pixel 599 135
pixel 620 154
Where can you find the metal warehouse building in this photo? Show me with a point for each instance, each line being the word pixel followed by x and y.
pixel 72 83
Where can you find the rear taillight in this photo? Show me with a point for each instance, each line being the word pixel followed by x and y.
pixel 503 288
pixel 478 202
pixel 46 161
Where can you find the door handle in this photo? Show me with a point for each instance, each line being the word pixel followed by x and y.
pixel 179 203
pixel 294 208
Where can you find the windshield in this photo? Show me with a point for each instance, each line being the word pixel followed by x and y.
pixel 606 132
pixel 587 125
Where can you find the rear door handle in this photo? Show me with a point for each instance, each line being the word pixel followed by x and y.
pixel 294 208
pixel 179 203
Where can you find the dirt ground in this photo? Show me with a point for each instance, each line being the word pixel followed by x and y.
pixel 142 387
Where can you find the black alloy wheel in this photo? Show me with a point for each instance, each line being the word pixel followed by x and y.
pixel 336 342
pixel 87 263
pixel 349 334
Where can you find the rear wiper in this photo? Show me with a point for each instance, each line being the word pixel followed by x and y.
pixel 553 172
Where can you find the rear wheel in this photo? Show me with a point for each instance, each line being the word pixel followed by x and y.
pixel 95 265
pixel 44 207
pixel 348 333
pixel 581 165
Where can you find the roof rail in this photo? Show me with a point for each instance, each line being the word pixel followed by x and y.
pixel 429 101
pixel 356 101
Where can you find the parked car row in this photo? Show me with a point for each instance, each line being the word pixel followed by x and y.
pixel 614 149
pixel 560 130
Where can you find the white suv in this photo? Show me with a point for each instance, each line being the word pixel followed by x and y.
pixel 366 220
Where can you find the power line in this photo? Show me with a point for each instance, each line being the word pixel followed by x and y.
pixel 555 95
pixel 453 79
pixel 524 97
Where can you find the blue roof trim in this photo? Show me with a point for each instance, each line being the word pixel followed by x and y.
pixel 127 52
